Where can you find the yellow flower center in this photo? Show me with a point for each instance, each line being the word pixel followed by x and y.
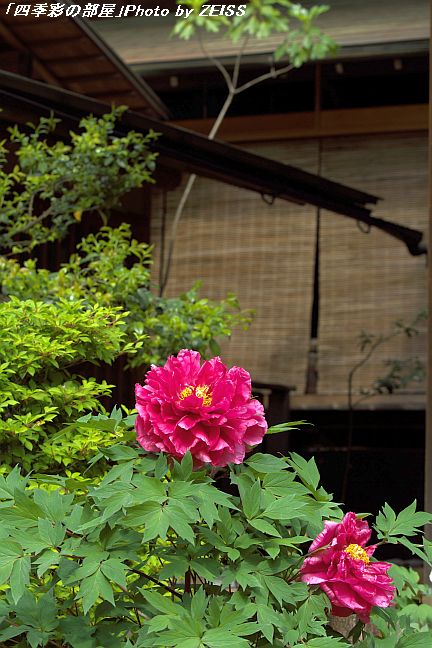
pixel 201 391
pixel 187 391
pixel 357 552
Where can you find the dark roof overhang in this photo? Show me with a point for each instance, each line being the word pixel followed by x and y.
pixel 190 152
pixel 69 53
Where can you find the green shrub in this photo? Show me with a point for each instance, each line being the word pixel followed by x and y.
pixel 112 269
pixel 96 307
pixel 156 555
pixel 54 182
pixel 41 348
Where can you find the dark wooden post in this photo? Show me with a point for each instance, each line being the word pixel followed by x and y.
pixel 428 444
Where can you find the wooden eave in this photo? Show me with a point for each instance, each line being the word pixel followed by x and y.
pixel 68 53
pixel 22 99
pixel 366 28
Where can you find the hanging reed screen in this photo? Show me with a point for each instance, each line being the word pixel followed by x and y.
pixel 368 281
pixel 234 241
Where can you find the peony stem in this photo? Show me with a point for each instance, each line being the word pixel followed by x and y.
pixel 156 581
pixel 188 581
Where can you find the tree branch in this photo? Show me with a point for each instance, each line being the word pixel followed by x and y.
pixel 156 582
pixel 222 69
pixel 237 61
pixel 185 195
pixel 233 90
pixel 273 74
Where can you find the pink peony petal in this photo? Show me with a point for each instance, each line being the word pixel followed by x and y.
pixel 352 583
pixel 204 408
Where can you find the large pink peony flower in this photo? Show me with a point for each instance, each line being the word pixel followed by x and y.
pixel 206 409
pixel 343 569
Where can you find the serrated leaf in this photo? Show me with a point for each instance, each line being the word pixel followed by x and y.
pixel 418 640
pixel 279 589
pixel 78 632
pixel 221 638
pixel 284 508
pixel 94 587
pixel 114 570
pixel 161 466
pixel 12 631
pixel 184 469
pixel 27 507
pixel 207 568
pixel 250 497
pixel 264 527
pixel 161 603
pixel 406 523
pixel 306 470
pixel 45 561
pixel 9 553
pixel 158 623
pixel 20 577
pixel 175 568
pixel 325 642
pixel 266 463
pixel 52 534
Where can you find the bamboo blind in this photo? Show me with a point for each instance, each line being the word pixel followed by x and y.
pixel 368 281
pixel 234 242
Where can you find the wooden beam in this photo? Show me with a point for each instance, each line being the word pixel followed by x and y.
pixel 382 119
pixel 339 402
pixel 93 78
pixel 38 67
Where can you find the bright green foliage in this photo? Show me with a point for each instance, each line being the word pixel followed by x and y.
pixel 157 555
pixel 41 347
pixel 303 40
pixel 98 306
pixel 113 270
pixel 52 184
pixel 410 595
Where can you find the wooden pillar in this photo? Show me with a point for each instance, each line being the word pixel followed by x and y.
pixel 428 444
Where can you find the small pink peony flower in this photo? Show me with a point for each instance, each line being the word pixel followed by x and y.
pixel 206 409
pixel 343 569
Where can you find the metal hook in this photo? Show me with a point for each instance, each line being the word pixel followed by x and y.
pixel 269 200
pixel 365 228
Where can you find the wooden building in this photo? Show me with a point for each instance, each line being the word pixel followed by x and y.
pixel 315 279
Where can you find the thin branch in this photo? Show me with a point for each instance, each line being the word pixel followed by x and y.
pixel 35 221
pixel 221 116
pixel 237 61
pixel 363 398
pixel 351 405
pixel 185 195
pixel 156 582
pixel 273 74
pixel 381 340
pixel 222 69
pixel 138 613
pixel 31 203
pixel 232 92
